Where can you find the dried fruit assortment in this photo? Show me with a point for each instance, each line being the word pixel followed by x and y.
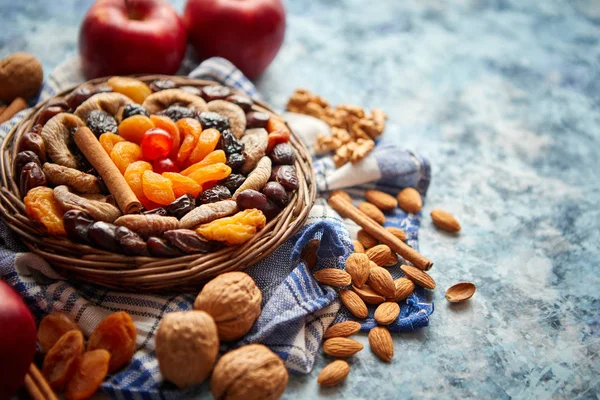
pixel 176 151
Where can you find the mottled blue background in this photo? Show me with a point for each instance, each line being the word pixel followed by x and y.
pixel 503 96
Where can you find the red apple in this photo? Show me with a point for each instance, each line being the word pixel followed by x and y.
pixel 248 33
pixel 17 340
pixel 122 37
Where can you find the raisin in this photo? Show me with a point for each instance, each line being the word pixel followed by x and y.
pixel 214 194
pixel 61 361
pixel 276 193
pixel 210 119
pixel 157 188
pixel 78 96
pixel 286 175
pixel 25 157
pixel 48 113
pixel 108 140
pixel 41 206
pixel 176 112
pixel 160 248
pixel 257 119
pixel 244 102
pixel 233 181
pixel 103 235
pixel 131 243
pixel 212 172
pixel 191 90
pixel 134 109
pixel 157 211
pixel 252 199
pixel 99 122
pixel 182 184
pixel 52 327
pixel 116 334
pixel 32 176
pixel 133 88
pixel 91 370
pixel 125 153
pixel 207 142
pixel 283 154
pixel 32 141
pixel 181 206
pixel 234 230
pixel 133 128
pixel 215 92
pixel 229 143
pixel 188 241
pixel 236 160
pixel 133 176
pixel 162 84
pixel 77 224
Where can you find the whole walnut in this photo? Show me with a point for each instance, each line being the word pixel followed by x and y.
pixel 187 345
pixel 252 372
pixel 233 300
pixel 21 75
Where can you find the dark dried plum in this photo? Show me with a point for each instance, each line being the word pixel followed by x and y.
pixel 103 235
pixel 181 206
pixel 77 224
pixel 250 198
pixel 229 143
pixel 283 154
pixel 257 119
pixel 233 181
pixel 134 109
pixel 235 161
pixel 276 193
pixel 191 90
pixel 32 141
pixel 25 157
pixel 188 241
pixel 286 175
pixel 131 243
pixel 78 96
pixel 215 92
pixel 210 119
pixel 160 248
pixel 214 194
pixel 100 122
pixel 157 211
pixel 176 112
pixel 244 102
pixel 31 176
pixel 48 113
pixel 162 84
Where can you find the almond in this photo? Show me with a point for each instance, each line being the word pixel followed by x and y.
pixel 410 200
pixel 343 329
pixel 404 288
pixel 354 304
pixel 381 281
pixel 391 261
pixel 399 233
pixel 365 239
pixel 381 343
pixel 445 221
pixel 334 373
pixel 372 264
pixel 372 212
pixel 309 253
pixel 341 347
pixel 382 200
pixel 368 295
pixel 358 247
pixel 341 193
pixel 379 254
pixel 387 313
pixel 419 277
pixel 357 265
pixel 460 292
pixel 333 277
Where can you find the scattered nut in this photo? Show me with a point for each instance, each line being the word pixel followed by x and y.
pixel 21 75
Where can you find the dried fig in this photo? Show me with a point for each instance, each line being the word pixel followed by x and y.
pixel 159 101
pixel 207 213
pixel 147 225
pixel 255 143
pixel 79 181
pixel 235 114
pixel 111 103
pixel 98 210
pixel 56 135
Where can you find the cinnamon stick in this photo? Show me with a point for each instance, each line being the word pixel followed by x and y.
pixel 2 108
pixel 347 210
pixel 115 182
pixel 37 386
pixel 17 105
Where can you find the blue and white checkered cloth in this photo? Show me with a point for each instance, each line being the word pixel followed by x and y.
pixel 296 309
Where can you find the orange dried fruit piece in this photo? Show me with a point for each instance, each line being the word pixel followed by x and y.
pixel 52 327
pixel 236 229
pixel 41 206
pixel 165 123
pixel 116 334
pixel 157 188
pixel 275 123
pixel 214 157
pixel 190 129
pixel 281 135
pixel 61 361
pixel 133 88
pixel 133 128
pixel 207 142
pixel 125 153
pixel 108 141
pixel 212 172
pixel 133 176
pixel 91 370
pixel 183 185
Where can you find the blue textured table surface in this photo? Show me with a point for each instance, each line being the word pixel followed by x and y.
pixel 504 99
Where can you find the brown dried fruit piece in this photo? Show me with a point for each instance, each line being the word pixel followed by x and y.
pixel 409 199
pixel 255 146
pixel 91 370
pixel 252 372
pixel 57 136
pixel 372 212
pixel 116 334
pixel 357 265
pixel 387 313
pixel 207 213
pixel 381 343
pixel 341 347
pixel 333 277
pixel 52 327
pixel 98 210
pixel 61 361
pixel 354 303
pixel 445 221
pixel 161 100
pixel 258 178
pixel 418 276
pixel 147 225
pixel 381 200
pixel 233 300
pixel 334 373
pixel 343 329
pixel 233 112
pixel 79 181
pixel 236 229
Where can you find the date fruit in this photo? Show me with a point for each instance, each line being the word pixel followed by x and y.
pixel 250 198
pixel 32 141
pixel 188 241
pixel 31 176
pixel 103 235
pixel 257 119
pixel 276 193
pixel 283 154
pixel 77 224
pixel 244 102
pixel 131 243
pixel 160 248
pixel 23 158
pixel 286 176
pixel 215 92
pixel 181 206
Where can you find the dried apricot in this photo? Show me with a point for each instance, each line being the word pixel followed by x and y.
pixel 281 135
pixel 52 327
pixel 133 88
pixel 133 176
pixel 125 153
pixel 190 129
pixel 165 123
pixel 108 141
pixel 217 156
pixel 212 172
pixel 91 370
pixel 236 229
pixel 275 123
pixel 116 334
pixel 41 206
pixel 183 185
pixel 134 127
pixel 207 142
pixel 61 361
pixel 157 188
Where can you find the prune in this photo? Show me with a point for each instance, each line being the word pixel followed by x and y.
pixel 252 199
pixel 48 113
pixel 233 181
pixel 157 211
pixel 131 243
pixel 78 96
pixel 160 248
pixel 236 160
pixel 229 143
pixel 276 193
pixel 33 142
pixel 162 84
pixel 181 206
pixel 210 119
pixel 103 235
pixel 191 90
pixel 176 112
pixel 100 122
pixel 286 175
pixel 134 109
pixel 214 194
pixel 244 102
pixel 283 154
pixel 77 224
pixel 215 92
pixel 32 176
pixel 257 119
pixel 188 241
pixel 25 157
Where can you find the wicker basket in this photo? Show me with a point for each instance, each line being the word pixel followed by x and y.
pixel 149 274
